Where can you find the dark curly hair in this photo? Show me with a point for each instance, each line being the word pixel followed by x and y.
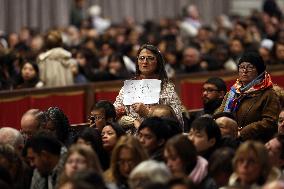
pixel 60 123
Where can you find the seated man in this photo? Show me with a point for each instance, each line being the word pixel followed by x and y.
pixel 13 137
pixel 213 92
pixel 275 148
pixel 227 124
pixel 44 152
pixel 281 122
pixel 162 110
pixel 153 133
pixel 205 135
pixel 31 122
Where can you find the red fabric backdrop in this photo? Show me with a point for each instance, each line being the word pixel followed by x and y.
pixel 72 104
pixel 190 93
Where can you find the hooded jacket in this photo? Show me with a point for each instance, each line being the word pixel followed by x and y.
pixel 55 67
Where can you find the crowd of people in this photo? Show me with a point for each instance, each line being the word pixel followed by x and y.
pixel 89 50
pixel 235 141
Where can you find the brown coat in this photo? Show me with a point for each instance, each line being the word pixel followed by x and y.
pixel 257 115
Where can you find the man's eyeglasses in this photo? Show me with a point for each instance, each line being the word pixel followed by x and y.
pixel 210 90
pixel 246 68
pixel 147 58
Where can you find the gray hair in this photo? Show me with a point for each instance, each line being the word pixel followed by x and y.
pixel 149 171
pixel 11 136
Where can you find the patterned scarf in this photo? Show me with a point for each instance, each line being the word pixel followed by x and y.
pixel 238 92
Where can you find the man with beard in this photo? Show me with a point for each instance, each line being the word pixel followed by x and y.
pixel 213 92
pixel 44 154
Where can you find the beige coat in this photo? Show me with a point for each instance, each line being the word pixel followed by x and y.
pixel 54 67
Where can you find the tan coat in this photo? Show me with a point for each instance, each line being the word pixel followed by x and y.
pixel 257 115
pixel 55 67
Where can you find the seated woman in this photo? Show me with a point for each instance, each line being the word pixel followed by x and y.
pixel 29 76
pixel 57 123
pixel 182 159
pixel 251 166
pixel 116 68
pixel 252 100
pixel 110 134
pixel 101 112
pixel 127 153
pixel 92 137
pixel 150 65
pixel 79 158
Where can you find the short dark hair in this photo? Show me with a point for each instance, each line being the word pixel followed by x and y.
pixel 43 141
pixel 208 125
pixel 117 128
pixel 158 126
pixel 174 124
pixel 107 106
pixel 221 161
pixel 218 82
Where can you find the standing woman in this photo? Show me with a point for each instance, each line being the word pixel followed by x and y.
pixel 150 65
pixel 252 100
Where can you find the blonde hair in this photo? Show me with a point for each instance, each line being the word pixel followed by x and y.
pixel 88 153
pixel 53 39
pixel 261 154
pixel 280 93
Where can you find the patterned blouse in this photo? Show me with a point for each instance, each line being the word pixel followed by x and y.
pixel 168 96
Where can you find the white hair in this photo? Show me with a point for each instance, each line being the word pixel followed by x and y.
pixel 279 184
pixel 9 135
pixel 149 171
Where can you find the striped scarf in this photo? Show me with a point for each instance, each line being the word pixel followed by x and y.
pixel 238 92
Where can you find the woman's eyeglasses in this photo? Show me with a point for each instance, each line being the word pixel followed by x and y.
pixel 246 68
pixel 93 118
pixel 147 58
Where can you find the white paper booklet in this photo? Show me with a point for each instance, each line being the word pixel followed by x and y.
pixel 146 91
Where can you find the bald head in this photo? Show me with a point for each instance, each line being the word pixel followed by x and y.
pixel 31 121
pixel 161 110
pixel 228 126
